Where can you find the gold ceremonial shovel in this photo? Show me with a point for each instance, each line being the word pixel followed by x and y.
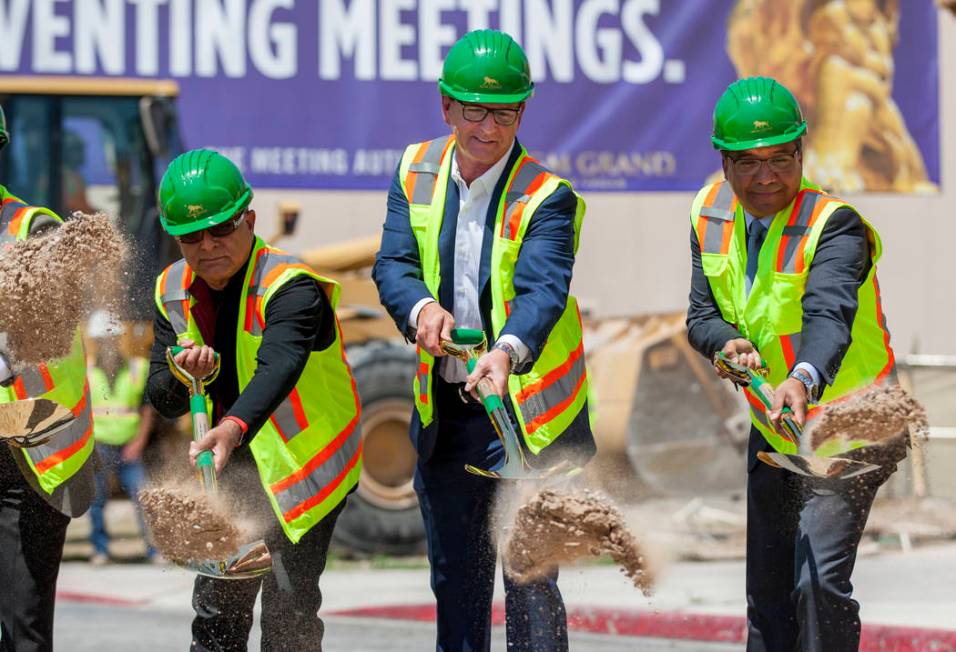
pixel 32 421
pixel 804 462
pixel 252 559
pixel 467 344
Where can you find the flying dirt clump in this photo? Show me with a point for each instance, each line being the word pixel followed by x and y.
pixel 49 282
pixel 879 415
pixel 188 526
pixel 555 528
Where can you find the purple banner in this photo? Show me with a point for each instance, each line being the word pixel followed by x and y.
pixel 326 93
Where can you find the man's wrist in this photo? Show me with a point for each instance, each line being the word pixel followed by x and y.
pixel 240 424
pixel 509 350
pixel 811 387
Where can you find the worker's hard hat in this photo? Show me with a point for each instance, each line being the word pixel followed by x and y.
pixel 4 134
pixel 103 323
pixel 486 66
pixel 756 112
pixel 199 189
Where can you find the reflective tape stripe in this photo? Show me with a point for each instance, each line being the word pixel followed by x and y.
pixel 269 265
pixel 424 374
pixel 423 171
pixel 11 216
pixel 34 381
pixel 289 418
pixel 796 231
pixel 174 293
pixel 316 479
pixel 530 176
pixel 67 442
pixel 790 344
pixel 716 223
pixel 541 401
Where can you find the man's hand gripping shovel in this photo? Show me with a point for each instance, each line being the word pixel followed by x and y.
pixel 467 345
pixel 804 462
pixel 252 559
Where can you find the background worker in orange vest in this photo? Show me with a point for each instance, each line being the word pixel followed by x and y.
pixel 447 259
pixel 285 411
pixel 783 273
pixel 38 498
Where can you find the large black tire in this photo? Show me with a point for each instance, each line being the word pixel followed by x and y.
pixel 382 515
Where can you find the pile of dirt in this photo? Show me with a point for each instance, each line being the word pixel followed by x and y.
pixel 555 528
pixel 878 415
pixel 188 526
pixel 49 283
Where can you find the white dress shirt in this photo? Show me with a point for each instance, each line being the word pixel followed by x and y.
pixel 473 203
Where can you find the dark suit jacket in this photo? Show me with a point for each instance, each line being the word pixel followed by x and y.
pixel 840 265
pixel 542 278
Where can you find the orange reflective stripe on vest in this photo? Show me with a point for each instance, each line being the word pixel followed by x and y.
pixel 264 275
pixel 807 208
pixel 33 382
pixel 540 401
pixel 715 226
pixel 174 288
pixel 423 172
pixel 424 375
pixel 530 176
pixel 62 447
pixel 324 473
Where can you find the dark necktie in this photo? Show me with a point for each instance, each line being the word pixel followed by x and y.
pixel 755 238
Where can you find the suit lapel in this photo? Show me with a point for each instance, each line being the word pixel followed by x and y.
pixel 446 245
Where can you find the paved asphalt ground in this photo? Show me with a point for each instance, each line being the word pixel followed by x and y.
pixel 905 596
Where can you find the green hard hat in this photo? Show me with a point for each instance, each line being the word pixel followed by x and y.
pixel 486 66
pixel 4 134
pixel 199 189
pixel 756 112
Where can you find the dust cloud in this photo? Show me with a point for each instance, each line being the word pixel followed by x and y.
pixel 878 415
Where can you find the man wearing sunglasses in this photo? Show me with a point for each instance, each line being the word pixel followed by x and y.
pixel 782 274
pixel 283 405
pixel 480 235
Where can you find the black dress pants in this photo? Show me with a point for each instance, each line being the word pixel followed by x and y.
pixel 802 538
pixel 290 593
pixel 31 546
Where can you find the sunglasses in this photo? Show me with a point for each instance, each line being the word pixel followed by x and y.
pixel 217 231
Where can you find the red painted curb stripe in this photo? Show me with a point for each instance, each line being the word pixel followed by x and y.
pixel 686 626
pixel 92 598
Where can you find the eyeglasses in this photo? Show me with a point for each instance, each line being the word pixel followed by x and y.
pixel 477 113
pixel 217 231
pixel 779 163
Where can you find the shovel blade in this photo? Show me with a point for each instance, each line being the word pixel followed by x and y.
pixel 252 560
pixel 817 467
pixel 513 469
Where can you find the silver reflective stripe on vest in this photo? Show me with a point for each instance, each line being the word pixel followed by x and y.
pixel 267 262
pixel 426 171
pixel 796 232
pixel 517 194
pixel 174 296
pixel 321 476
pixel 284 419
pixel 557 392
pixel 34 384
pixel 63 439
pixel 718 215
pixel 7 213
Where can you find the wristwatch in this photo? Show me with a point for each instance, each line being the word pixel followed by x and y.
pixel 804 377
pixel 510 350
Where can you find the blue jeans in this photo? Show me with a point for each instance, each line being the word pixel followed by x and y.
pixel 131 477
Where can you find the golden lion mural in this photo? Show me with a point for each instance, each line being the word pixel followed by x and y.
pixel 837 58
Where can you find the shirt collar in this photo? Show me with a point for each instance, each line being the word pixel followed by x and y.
pixel 486 181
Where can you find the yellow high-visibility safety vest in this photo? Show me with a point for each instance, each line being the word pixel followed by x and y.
pixel 62 380
pixel 552 394
pixel 116 407
pixel 771 316
pixel 309 452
